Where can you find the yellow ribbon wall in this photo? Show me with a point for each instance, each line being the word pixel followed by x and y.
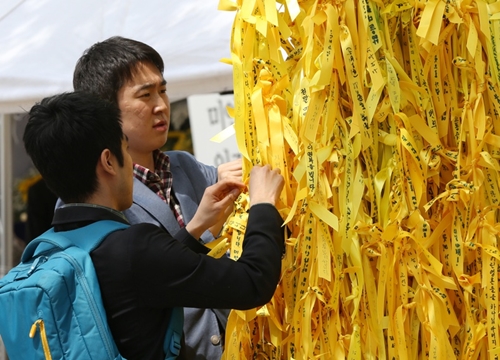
pixel 383 117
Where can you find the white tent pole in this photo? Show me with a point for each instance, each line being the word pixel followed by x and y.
pixel 6 216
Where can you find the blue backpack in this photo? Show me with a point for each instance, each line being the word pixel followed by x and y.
pixel 51 306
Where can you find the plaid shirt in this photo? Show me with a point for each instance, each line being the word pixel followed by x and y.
pixel 160 182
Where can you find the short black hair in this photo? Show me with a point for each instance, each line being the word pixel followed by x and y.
pixel 65 136
pixel 108 65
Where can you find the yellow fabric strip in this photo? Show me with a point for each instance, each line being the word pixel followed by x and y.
pixel 224 134
pixel 383 118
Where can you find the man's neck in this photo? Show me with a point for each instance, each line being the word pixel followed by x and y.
pixel 145 160
pixel 104 199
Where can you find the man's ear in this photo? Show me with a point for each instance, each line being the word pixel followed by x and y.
pixel 107 162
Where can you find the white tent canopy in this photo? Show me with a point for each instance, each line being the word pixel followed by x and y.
pixel 41 40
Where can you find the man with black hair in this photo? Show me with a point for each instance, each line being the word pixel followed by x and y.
pixel 168 187
pixel 77 144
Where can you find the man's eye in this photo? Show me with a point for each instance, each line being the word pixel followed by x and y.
pixel 145 95
pixel 163 91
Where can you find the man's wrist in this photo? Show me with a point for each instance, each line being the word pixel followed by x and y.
pixel 194 229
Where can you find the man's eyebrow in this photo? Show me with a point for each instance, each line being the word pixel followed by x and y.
pixel 150 85
pixel 144 87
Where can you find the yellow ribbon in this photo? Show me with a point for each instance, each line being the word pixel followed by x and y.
pixel 384 119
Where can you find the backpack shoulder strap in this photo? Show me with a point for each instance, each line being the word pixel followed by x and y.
pixel 173 337
pixel 86 238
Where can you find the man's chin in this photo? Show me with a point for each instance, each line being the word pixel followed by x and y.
pixel 125 206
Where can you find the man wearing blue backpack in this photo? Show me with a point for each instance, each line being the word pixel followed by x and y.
pixel 76 142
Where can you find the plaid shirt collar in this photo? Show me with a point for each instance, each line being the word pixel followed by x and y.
pixel 160 181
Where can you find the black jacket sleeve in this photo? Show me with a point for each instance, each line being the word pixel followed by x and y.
pixel 164 272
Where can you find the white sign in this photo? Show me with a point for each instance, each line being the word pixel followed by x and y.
pixel 208 117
